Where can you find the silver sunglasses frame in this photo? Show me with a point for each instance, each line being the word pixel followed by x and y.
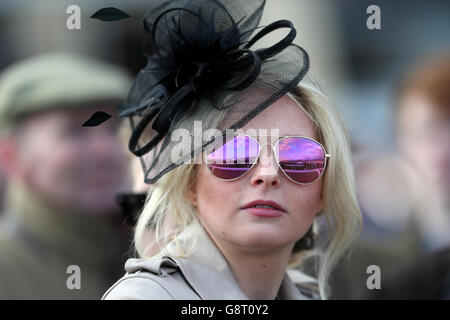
pixel 276 158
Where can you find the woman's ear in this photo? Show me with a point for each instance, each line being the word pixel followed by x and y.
pixel 192 196
pixel 320 204
pixel 192 192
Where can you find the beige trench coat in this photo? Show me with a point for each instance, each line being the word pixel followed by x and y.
pixel 204 275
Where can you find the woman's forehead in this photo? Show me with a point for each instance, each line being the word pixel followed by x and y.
pixel 285 117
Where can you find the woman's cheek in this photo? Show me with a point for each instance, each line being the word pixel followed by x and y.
pixel 305 203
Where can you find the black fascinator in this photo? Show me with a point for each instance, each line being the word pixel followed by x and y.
pixel 202 66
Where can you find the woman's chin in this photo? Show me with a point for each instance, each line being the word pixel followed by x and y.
pixel 262 242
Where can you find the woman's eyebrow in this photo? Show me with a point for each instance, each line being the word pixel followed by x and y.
pixel 273 135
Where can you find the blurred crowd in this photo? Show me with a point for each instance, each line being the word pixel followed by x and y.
pixel 404 196
pixel 68 194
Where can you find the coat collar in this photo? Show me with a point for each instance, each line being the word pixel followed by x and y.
pixel 207 271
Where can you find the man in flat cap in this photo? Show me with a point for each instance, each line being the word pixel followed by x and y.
pixel 61 232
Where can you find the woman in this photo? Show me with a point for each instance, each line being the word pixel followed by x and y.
pixel 231 222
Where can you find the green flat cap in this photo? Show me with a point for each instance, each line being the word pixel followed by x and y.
pixel 57 80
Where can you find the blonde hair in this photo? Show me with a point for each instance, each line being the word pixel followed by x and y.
pixel 167 199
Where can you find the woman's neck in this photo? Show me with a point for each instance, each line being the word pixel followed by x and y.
pixel 258 274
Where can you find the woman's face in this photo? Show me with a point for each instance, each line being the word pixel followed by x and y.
pixel 220 203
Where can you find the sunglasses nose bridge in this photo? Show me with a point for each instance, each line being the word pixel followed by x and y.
pixel 273 154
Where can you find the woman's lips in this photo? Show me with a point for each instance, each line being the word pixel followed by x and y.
pixel 264 208
pixel 264 212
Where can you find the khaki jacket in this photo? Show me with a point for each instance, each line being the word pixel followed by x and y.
pixel 38 243
pixel 204 275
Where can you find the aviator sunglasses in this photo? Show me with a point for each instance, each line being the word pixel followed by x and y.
pixel 302 160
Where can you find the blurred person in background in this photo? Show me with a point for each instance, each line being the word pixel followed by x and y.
pixel 426 277
pixel 423 132
pixel 404 197
pixel 423 118
pixel 132 200
pixel 2 188
pixel 61 220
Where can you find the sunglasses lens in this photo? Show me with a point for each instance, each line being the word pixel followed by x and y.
pixel 234 158
pixel 302 159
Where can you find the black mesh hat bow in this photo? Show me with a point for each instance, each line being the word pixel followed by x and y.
pixel 203 67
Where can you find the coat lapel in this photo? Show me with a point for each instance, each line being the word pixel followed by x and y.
pixel 208 273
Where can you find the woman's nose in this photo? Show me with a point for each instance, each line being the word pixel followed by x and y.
pixel 266 170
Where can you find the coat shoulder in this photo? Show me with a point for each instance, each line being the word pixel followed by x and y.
pixel 138 286
pixel 307 285
pixel 151 279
